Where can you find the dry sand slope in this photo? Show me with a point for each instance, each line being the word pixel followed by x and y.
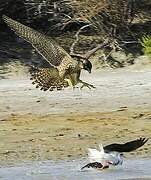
pixel 38 125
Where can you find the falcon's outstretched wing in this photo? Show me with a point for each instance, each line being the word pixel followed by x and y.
pixel 51 51
pixel 127 147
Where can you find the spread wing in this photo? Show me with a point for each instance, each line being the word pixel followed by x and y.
pixel 51 51
pixel 127 147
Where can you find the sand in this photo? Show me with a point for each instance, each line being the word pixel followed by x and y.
pixel 36 125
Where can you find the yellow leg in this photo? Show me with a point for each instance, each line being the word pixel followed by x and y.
pixel 69 82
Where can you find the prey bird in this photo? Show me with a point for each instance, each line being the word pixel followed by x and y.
pixel 64 71
pixel 111 154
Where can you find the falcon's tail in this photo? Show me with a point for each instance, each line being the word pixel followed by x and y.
pixel 47 79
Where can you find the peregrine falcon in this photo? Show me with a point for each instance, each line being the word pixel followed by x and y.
pixel 64 71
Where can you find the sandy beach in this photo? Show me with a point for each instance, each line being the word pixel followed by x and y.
pixel 38 125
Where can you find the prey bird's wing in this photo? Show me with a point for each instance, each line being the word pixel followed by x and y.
pixel 48 48
pixel 94 155
pixel 127 147
pixel 96 165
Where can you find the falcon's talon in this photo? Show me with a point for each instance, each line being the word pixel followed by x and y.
pixel 69 82
pixel 84 84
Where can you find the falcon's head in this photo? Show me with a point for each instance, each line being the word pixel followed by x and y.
pixel 87 65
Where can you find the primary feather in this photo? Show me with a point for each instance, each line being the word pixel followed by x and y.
pixel 48 48
pixel 126 147
pixel 54 54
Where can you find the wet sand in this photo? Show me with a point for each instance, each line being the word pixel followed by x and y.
pixel 38 125
pixel 134 169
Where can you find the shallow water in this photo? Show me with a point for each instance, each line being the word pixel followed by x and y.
pixel 70 170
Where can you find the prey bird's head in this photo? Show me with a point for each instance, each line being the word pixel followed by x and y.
pixel 86 65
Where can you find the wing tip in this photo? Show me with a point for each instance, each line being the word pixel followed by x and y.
pixel 143 139
pixel 7 19
pixel 4 17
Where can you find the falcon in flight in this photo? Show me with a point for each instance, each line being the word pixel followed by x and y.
pixel 64 71
pixel 111 154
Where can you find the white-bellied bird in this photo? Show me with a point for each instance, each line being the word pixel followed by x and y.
pixel 111 154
